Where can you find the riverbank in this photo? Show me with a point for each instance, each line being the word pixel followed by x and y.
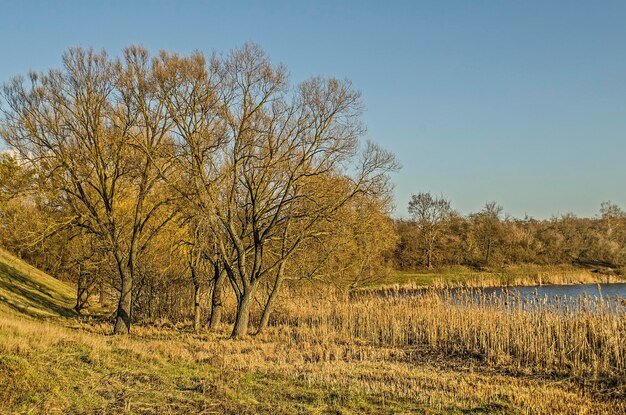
pixel 518 275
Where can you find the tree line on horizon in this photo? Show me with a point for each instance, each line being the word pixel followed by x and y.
pixel 434 235
pixel 168 183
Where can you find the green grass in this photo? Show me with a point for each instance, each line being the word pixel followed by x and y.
pixel 430 277
pixel 25 290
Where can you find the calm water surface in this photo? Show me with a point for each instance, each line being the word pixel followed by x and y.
pixel 576 296
pixel 612 295
pixel 617 290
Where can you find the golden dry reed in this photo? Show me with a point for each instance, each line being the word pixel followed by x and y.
pixel 586 338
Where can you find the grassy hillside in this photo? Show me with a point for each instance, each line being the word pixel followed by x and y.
pixel 25 290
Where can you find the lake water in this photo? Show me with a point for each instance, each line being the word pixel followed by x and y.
pixel 569 297
pixel 587 296
pixel 612 291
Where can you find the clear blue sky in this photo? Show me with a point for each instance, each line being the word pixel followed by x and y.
pixel 522 102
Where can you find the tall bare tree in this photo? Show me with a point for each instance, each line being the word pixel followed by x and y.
pixel 97 131
pixel 256 152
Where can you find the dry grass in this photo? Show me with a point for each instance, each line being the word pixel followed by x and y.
pixel 325 353
pixel 156 370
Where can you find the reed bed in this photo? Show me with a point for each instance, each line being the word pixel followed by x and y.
pixel 512 275
pixel 582 339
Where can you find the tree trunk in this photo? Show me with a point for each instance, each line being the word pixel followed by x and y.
pixel 265 318
pixel 430 258
pixel 81 290
pixel 101 289
pixel 242 319
pixel 150 300
pixel 122 316
pixel 431 248
pixel 196 307
pixel 216 298
pixel 196 298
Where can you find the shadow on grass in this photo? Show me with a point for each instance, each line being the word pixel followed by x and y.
pixel 34 295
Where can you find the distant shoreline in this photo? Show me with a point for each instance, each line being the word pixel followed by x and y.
pixel 448 279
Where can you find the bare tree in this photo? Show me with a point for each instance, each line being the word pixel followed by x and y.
pixel 488 228
pixel 257 152
pixel 259 162
pixel 611 214
pixel 430 214
pixel 97 131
